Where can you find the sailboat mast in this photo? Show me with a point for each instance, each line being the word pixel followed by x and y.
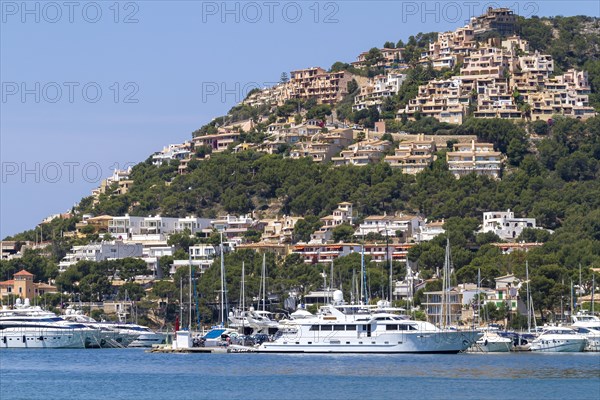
pixel 390 261
pixel 222 283
pixel 363 276
pixel 243 300
pixel 478 301
pixel 593 290
pixel 353 291
pixel 528 297
pixel 190 295
pixel 264 285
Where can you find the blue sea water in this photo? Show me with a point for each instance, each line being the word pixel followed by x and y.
pixel 134 374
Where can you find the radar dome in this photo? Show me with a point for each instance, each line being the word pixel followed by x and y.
pixel 338 296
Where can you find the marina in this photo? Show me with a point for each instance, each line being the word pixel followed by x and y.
pixel 133 373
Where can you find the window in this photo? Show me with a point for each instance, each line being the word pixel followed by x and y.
pixel 350 327
pixel 338 327
pixel 326 327
pixel 391 327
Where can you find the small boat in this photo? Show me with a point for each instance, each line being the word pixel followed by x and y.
pixel 556 339
pixel 491 342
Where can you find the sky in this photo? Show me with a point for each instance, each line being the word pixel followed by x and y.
pixel 87 87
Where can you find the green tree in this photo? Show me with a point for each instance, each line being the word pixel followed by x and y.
pixel 343 233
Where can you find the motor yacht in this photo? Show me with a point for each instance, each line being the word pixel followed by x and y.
pixel 558 339
pixel 358 329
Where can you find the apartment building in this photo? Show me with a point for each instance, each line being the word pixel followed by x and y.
pixel 325 87
pixel 501 20
pixel 232 226
pixel 429 230
pixel 217 142
pixel 445 100
pixel 313 253
pixel 486 62
pixel 377 90
pixel 566 94
pixel 363 153
pixel 172 152
pixel 102 251
pixel 505 225
pixel 119 178
pixel 449 48
pixel 413 156
pixel 154 228
pixel 280 229
pixel 341 215
pixel 271 96
pixel 390 58
pixel 478 158
pixel 389 225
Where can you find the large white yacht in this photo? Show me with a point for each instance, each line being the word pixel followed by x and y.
pixel 31 327
pixel 356 329
pixel 558 339
pixel 588 326
pixel 110 335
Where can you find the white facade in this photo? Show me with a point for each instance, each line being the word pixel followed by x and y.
pixel 154 228
pixel 152 257
pixel 389 225
pixel 124 227
pixel 429 231
pixel 379 88
pixel 171 152
pixel 101 252
pixel 505 225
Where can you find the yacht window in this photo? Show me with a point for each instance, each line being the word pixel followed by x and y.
pixel 406 327
pixel 338 327
pixel 314 328
pixel 326 327
pixel 350 327
pixel 391 327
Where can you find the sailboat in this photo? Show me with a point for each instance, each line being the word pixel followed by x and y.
pixel 251 321
pixel 491 341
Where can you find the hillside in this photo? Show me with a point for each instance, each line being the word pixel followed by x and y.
pixel 551 172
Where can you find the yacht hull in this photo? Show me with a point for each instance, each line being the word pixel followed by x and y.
pixel 559 346
pixel 423 343
pixel 43 338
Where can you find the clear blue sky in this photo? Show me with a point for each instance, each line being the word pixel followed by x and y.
pixel 158 65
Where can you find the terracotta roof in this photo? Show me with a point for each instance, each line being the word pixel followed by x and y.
pixel 23 273
pixel 7 283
